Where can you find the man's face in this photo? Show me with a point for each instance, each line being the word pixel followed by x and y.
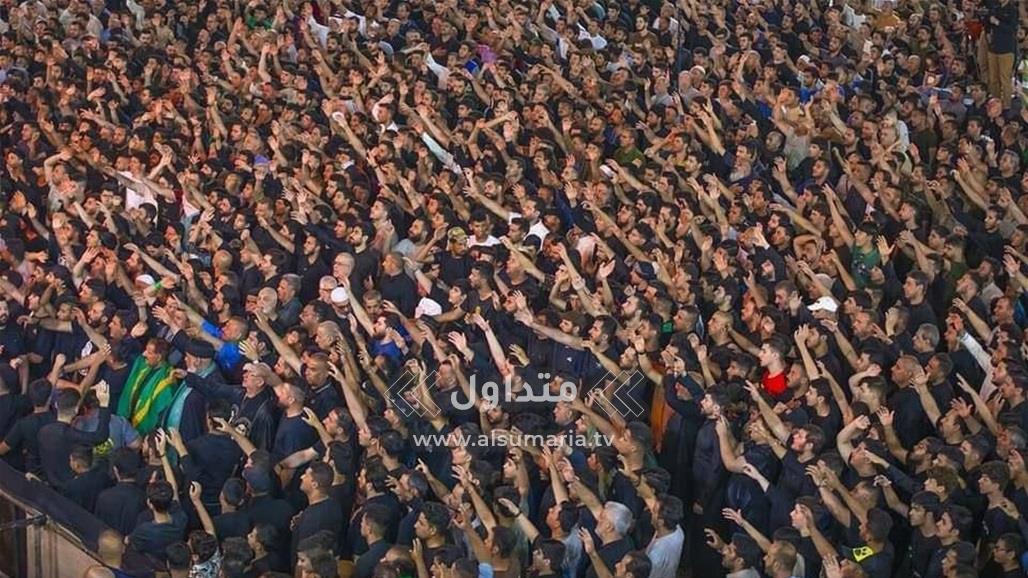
pixel 152 356
pixel 284 397
pixel 422 528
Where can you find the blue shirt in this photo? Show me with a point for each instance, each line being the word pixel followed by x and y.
pixel 228 356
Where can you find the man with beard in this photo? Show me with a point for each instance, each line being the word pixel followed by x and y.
pixel 366 258
pixel 149 388
pixel 740 557
pixel 11 336
pixel 396 286
pixel 293 432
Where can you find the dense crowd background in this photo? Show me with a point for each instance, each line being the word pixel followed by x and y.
pixel 253 252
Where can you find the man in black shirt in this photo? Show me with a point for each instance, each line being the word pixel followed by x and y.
pixel 119 506
pixel 366 259
pixel 374 527
pixel 22 442
pixel 152 537
pixel 13 405
pixel 612 529
pixel 322 512
pixel 234 521
pixel 56 439
pixel 396 286
pixel 88 481
pixel 293 433
pixel 212 458
pixel 915 289
pixel 254 403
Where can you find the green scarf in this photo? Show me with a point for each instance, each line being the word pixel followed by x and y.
pixel 148 392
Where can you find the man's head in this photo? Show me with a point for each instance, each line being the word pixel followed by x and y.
pixel 375 523
pixel 548 556
pixel 432 522
pixel 317 479
pixel 67 401
pixel 156 352
pixel 614 523
pixel 780 559
pixel 159 496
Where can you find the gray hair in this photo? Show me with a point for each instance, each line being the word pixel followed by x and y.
pixel 930 333
pixel 620 517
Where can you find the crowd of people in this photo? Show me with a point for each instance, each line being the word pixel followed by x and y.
pixel 745 280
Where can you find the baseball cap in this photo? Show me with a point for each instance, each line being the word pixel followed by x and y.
pixel 259 480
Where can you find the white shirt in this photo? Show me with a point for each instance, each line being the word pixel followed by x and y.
pixel 489 241
pixel 538 229
pixel 664 553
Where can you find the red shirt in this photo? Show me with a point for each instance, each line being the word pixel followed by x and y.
pixel 774 384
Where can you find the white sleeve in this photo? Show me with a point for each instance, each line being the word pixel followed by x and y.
pixel 441 72
pixel 440 153
pixel 321 32
pixel 136 11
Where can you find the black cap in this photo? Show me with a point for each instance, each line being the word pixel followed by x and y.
pixel 198 348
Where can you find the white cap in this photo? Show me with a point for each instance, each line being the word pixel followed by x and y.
pixel 427 307
pixel 339 296
pixel 825 304
pixel 146 279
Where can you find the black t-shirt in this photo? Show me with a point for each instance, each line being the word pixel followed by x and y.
pixel 364 566
pixel 325 515
pixel 211 461
pixel 153 539
pixel 921 549
pixel 85 488
pixel 611 554
pixel 792 483
pixel 271 511
pixel 115 378
pixel 365 265
pixel 12 340
pixel 401 291
pixel 830 424
pixel 911 420
pixel 56 440
pixel 232 525
pixel 453 268
pixel 23 441
pixel 292 435
pixel 355 544
pixel 119 506
pixel 879 564
pixel 13 407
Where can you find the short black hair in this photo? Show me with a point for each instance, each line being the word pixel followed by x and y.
pixel 553 551
pixel 160 494
pixel 179 556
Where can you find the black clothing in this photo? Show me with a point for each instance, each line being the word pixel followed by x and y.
pixel 23 441
pixel 85 488
pixel 212 459
pixel 119 506
pixel 56 441
pixel 364 566
pixel 324 515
